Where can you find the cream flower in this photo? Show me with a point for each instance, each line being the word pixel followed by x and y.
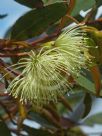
pixel 72 44
pixel 45 74
pixel 41 80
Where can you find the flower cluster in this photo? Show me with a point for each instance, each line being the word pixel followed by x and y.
pixel 45 74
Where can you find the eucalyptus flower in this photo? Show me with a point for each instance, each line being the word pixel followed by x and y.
pixel 41 80
pixel 73 44
pixel 45 74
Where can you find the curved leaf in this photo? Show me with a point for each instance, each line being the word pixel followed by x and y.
pixel 37 21
pixel 36 132
pixel 88 103
pixel 86 83
pixel 94 119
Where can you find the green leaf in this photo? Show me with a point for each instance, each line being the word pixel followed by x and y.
pixel 79 18
pixel 73 99
pixel 78 112
pixel 97 41
pixel 48 2
pixel 37 21
pixel 98 2
pixel 76 96
pixel 94 119
pixel 87 103
pixel 86 83
pixel 39 119
pixel 82 5
pixel 31 3
pixel 36 132
pixel 4 129
pixel 2 16
pixel 75 131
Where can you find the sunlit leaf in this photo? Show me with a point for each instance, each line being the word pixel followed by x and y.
pixel 86 83
pixel 31 3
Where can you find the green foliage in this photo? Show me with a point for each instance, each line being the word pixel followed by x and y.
pixel 40 119
pixel 31 3
pixel 93 119
pixel 82 5
pixel 99 2
pixel 86 83
pixel 37 21
pixel 87 103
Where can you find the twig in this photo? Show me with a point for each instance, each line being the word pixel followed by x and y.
pixel 44 39
pixel 89 14
pixel 14 55
pixel 97 23
pixel 53 112
pixel 50 117
pixel 4 94
pixel 70 8
pixel 73 19
pixel 2 64
pixel 65 103
pixel 7 111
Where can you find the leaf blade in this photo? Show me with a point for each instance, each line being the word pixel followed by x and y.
pixel 31 3
pixel 37 21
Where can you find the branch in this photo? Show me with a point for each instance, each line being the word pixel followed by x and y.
pixel 44 39
pixel 6 67
pixel 14 55
pixel 97 23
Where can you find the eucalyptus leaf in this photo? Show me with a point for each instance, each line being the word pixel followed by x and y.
pixel 94 119
pixel 36 132
pixel 39 119
pixel 31 3
pixel 37 21
pixel 88 104
pixel 78 111
pixel 86 83
pixel 48 2
pixel 99 3
pixel 82 5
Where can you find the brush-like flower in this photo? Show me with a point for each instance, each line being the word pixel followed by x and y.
pixel 44 74
pixel 41 80
pixel 73 44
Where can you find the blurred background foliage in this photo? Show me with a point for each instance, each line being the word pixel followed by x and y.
pixel 42 23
